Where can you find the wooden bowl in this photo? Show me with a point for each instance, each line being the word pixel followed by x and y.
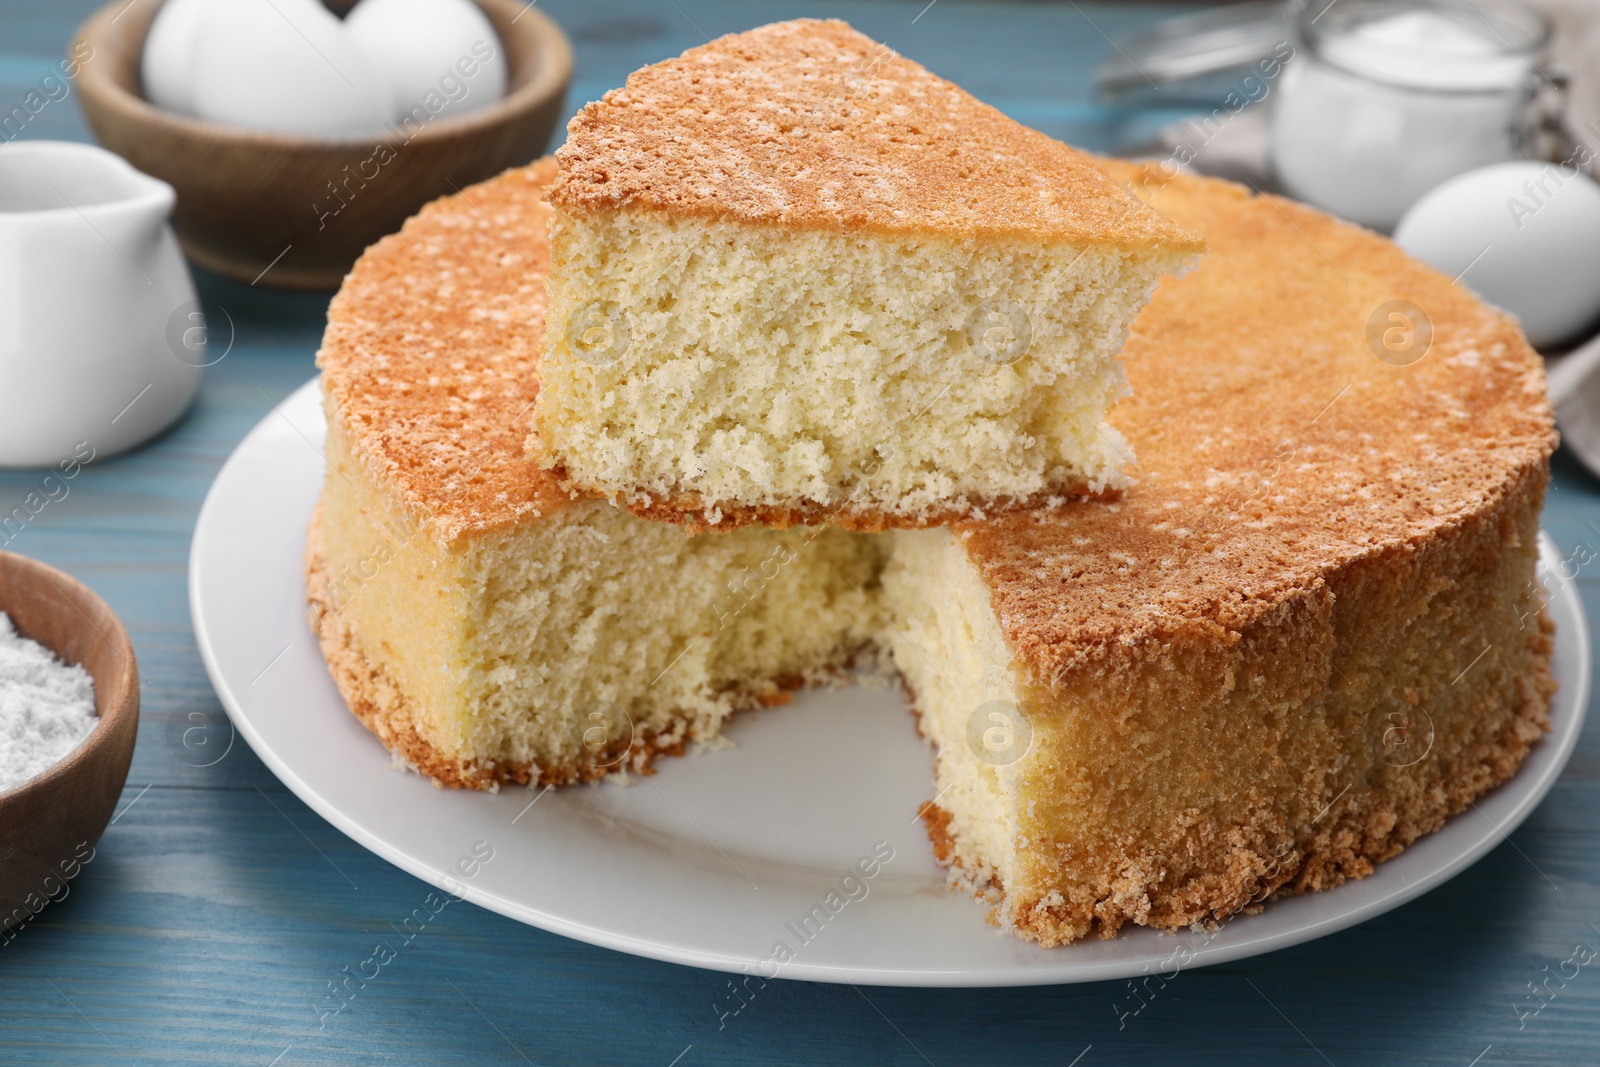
pixel 49 824
pixel 295 211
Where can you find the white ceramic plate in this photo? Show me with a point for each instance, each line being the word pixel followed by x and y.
pixel 713 861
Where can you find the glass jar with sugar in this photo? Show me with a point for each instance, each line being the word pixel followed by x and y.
pixel 1388 98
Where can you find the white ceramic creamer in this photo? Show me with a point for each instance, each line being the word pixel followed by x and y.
pixel 101 337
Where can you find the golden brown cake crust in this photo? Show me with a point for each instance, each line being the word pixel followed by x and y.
pixel 690 513
pixel 809 124
pixel 1313 453
pixel 1359 829
pixel 371 695
pixel 430 360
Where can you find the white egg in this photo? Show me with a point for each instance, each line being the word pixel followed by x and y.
pixel 167 64
pixel 1524 236
pixel 286 66
pixel 441 57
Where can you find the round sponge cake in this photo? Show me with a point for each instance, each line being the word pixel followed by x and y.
pixel 1307 633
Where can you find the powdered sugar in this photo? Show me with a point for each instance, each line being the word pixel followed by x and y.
pixel 46 707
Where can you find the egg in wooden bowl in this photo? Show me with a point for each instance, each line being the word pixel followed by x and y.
pixel 295 210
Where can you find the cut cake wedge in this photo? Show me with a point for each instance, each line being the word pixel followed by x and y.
pixel 796 277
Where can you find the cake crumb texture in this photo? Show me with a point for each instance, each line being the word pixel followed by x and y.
pixel 485 622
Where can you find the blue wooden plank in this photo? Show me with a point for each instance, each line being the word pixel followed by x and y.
pixel 218 907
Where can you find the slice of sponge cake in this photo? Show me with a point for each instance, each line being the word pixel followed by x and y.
pixel 796 276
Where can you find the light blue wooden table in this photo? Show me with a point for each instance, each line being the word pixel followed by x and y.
pixel 215 912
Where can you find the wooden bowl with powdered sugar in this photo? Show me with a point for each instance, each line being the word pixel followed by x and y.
pixel 49 824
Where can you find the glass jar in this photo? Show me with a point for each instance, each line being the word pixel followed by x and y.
pixel 1385 99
